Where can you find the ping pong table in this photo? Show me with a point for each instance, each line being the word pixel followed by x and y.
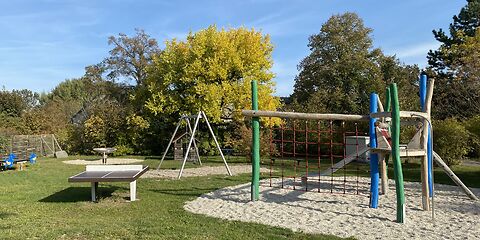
pixel 110 173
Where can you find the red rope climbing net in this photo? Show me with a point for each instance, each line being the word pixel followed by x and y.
pixel 321 156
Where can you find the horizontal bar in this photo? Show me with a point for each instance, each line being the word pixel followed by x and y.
pixel 288 130
pixel 309 116
pixel 403 114
pixel 190 116
pixel 301 156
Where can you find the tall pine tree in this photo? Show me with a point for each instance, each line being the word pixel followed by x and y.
pixel 457 94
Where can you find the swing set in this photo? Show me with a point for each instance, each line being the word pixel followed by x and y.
pixel 190 132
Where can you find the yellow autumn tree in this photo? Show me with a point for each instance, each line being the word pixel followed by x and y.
pixel 211 71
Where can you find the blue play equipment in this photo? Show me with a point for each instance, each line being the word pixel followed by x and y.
pixel 10 161
pixel 33 158
pixel 423 96
pixel 374 171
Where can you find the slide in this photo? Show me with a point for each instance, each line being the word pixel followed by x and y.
pixel 348 159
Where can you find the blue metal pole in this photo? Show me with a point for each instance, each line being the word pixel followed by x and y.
pixel 430 162
pixel 423 90
pixel 374 173
pixel 423 96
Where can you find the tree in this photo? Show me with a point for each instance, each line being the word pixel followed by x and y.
pixel 464 24
pixel 131 56
pixel 14 103
pixel 212 71
pixel 343 68
pixel 455 65
pixel 74 104
pixel 467 61
pixel 51 117
pixel 458 93
pixel 406 78
pixel 77 90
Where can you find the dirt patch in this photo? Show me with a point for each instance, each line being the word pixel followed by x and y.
pixel 200 171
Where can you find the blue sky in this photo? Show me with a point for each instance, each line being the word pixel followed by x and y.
pixel 44 42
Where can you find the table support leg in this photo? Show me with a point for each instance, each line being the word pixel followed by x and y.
pixel 94 191
pixel 133 190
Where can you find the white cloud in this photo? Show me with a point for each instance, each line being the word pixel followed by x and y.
pixel 178 35
pixel 414 54
pixel 415 50
pixel 279 23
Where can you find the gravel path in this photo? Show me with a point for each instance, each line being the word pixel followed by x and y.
pixel 200 171
pixel 456 217
pixel 470 163
pixel 99 162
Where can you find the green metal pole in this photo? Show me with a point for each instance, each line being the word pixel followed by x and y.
pixel 397 164
pixel 255 192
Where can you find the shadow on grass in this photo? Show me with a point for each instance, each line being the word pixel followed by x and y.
pixel 195 191
pixel 6 215
pixel 79 194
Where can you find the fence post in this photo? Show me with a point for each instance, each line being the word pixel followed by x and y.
pixel 374 173
pixel 255 192
pixel 397 164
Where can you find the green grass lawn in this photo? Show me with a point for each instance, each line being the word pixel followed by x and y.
pixel 39 203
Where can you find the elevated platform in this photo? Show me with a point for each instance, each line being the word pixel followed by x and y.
pixel 406 152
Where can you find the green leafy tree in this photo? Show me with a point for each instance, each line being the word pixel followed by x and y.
pixel 52 117
pixel 94 132
pixel 14 103
pixel 455 65
pixel 131 56
pixel 137 129
pixel 72 102
pixel 14 107
pixel 126 68
pixel 472 125
pixel 87 89
pixel 212 71
pixel 75 91
pixel 459 94
pixel 467 63
pixel 406 77
pixel 343 69
pixel 465 23
pixel 11 125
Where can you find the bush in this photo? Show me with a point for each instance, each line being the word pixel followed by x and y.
pixel 206 145
pixel 122 150
pixel 137 129
pixel 451 140
pixel 473 127
pixel 243 146
pixel 94 133
pixel 3 145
